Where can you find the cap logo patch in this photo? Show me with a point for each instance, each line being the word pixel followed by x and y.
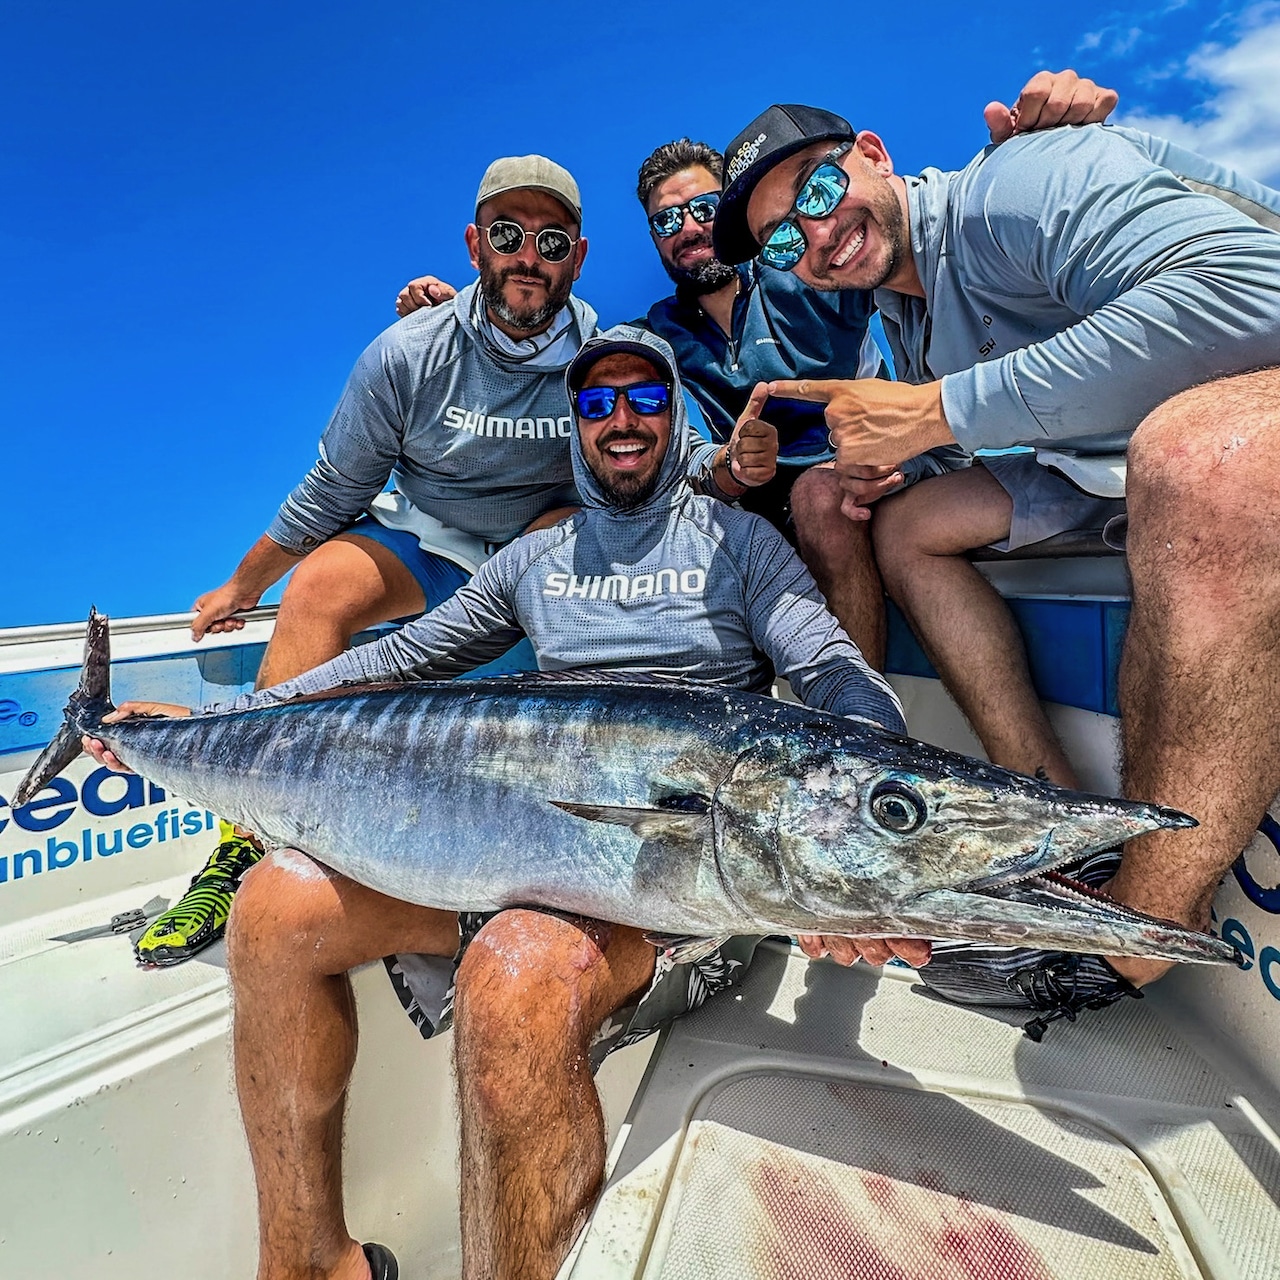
pixel 745 158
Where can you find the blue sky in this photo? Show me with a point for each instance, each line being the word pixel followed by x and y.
pixel 210 209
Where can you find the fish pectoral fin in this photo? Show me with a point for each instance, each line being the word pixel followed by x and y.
pixel 648 824
pixel 686 948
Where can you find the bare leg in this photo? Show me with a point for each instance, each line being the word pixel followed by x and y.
pixel 532 990
pixel 966 629
pixel 839 555
pixel 343 586
pixel 295 930
pixel 1200 678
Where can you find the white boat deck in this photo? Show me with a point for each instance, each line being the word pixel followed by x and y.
pixel 828 1123
pixel 816 1123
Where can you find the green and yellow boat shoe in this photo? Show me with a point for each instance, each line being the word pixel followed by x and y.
pixel 199 918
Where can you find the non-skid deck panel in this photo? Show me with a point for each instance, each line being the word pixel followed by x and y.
pixel 829 1179
pixel 826 1122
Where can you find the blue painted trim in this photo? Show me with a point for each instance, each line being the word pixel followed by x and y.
pixel 1073 647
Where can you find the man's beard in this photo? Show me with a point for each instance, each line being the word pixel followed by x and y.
pixel 703 277
pixel 892 225
pixel 626 492
pixel 525 319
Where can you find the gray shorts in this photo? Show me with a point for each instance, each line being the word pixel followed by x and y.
pixel 425 987
pixel 1044 503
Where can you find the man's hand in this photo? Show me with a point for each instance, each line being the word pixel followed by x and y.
pixel 864 485
pixel 753 448
pixel 874 423
pixel 425 291
pixel 216 610
pixel 1049 99
pixel 102 753
pixel 915 951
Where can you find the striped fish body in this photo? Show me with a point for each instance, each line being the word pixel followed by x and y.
pixel 679 808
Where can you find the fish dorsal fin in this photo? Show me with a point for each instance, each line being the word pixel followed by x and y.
pixel 648 824
pixel 514 679
pixel 596 675
pixel 685 948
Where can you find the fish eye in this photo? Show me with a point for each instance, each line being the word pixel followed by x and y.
pixel 897 808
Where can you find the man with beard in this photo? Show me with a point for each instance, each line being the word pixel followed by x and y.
pixel 463 406
pixel 733 328
pixel 1076 283
pixel 649 578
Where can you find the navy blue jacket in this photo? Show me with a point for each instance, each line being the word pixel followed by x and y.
pixel 781 329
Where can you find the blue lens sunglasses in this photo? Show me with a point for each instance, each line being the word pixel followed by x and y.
pixel 818 198
pixel 646 398
pixel 666 222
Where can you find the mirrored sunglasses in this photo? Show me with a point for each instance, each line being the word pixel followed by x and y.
pixel 820 196
pixel 666 222
pixel 646 398
pixel 506 237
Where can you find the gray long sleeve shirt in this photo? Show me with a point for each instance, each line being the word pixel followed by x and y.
pixel 681 585
pixel 1073 282
pixel 472 438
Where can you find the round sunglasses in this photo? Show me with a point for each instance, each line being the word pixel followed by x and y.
pixel 820 196
pixel 646 398
pixel 667 221
pixel 506 237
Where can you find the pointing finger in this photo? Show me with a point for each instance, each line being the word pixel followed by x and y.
pixel 817 390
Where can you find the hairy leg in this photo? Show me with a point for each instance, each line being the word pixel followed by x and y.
pixel 295 930
pixel 964 626
pixel 532 990
pixel 1200 677
pixel 343 586
pixel 839 555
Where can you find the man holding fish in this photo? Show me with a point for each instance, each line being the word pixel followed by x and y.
pixel 462 406
pixel 649 578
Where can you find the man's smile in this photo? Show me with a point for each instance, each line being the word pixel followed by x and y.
pixel 850 246
pixel 626 453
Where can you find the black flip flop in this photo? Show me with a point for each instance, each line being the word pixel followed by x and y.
pixel 382 1262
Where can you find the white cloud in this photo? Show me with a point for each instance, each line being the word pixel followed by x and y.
pixel 1238 124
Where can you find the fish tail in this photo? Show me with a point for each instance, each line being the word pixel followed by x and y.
pixel 84 710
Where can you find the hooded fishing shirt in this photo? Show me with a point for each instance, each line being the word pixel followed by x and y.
pixel 682 585
pixel 1074 279
pixel 474 435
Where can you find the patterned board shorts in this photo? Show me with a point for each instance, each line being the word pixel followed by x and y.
pixel 425 987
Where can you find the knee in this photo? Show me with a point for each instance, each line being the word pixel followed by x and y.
pixel 524 980
pixel 821 526
pixel 319 588
pixel 282 909
pixel 1208 456
pixel 816 497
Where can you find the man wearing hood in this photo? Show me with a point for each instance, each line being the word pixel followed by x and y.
pixel 462 406
pixel 649 577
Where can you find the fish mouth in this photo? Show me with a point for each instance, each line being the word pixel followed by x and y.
pixel 1075 903
pixel 1081 837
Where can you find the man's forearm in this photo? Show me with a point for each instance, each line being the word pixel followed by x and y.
pixel 264 564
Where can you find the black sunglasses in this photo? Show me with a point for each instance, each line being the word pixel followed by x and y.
pixel 666 222
pixel 506 237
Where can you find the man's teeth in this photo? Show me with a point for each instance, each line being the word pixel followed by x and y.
pixel 625 448
pixel 851 247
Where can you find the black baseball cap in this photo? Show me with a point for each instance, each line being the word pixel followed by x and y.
pixel 772 136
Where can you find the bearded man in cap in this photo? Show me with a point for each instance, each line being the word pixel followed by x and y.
pixel 463 406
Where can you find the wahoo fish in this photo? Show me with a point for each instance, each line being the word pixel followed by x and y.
pixel 688 810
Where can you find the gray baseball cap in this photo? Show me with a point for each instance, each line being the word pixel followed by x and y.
pixel 537 173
